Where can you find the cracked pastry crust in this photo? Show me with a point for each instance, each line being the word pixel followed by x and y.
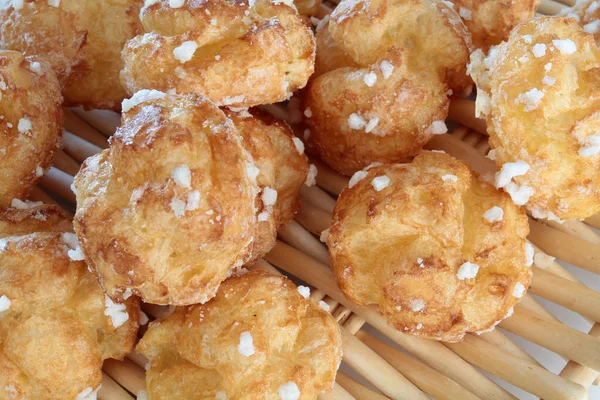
pixel 540 94
pixel 384 71
pixel 55 332
pixel 31 120
pixel 167 210
pixel 402 233
pixel 82 41
pixel 257 335
pixel 185 195
pixel 237 53
pixel 587 14
pixel 279 157
pixel 490 21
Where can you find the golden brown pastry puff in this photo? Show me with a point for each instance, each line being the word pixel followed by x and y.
pixel 540 93
pixel 490 21
pixel 31 121
pixel 258 339
pixel 81 39
pixel 238 53
pixel 178 202
pixel 587 13
pixel 384 70
pixel 279 156
pixel 56 323
pixel 440 252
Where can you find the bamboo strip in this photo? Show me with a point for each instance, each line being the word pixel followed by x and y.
pixel 357 390
pixel 502 341
pixel 328 179
pixel 126 373
pixel 575 228
pixel 572 295
pixel 554 268
pixel 337 393
pixel 578 373
pixel 427 379
pixel 377 371
pixel 554 336
pixel 432 353
pixel 464 152
pixel 483 147
pixel 58 182
pixel 323 11
pixel 37 194
pixel 158 311
pixel 267 266
pixel 569 3
pixel 529 303
pixel 296 236
pixel 354 323
pixel 111 390
pixel 315 294
pixel 568 248
pixel 332 306
pixel 318 197
pixel 138 359
pixel 78 148
pixel 77 126
pixel 463 111
pixel 313 218
pixel 519 372
pixel 550 7
pixel 66 163
pixel 278 111
pixel 594 221
pixel 103 121
pixel 472 139
pixel 342 315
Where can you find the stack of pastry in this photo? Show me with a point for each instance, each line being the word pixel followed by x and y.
pixel 199 177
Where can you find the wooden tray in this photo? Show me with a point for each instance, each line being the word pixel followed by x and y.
pixel 401 366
